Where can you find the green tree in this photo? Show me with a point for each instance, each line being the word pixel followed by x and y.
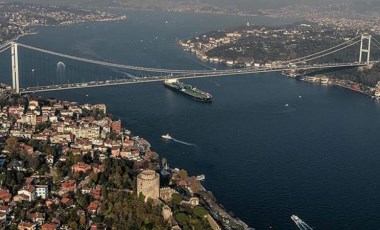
pixel 176 199
pixel 182 218
pixel 200 211
pixel 11 145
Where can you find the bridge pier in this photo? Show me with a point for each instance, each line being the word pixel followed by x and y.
pixel 15 68
pixel 365 49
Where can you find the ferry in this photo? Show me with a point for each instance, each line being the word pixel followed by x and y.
pixel 166 136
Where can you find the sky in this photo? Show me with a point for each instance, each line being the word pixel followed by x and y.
pixel 242 4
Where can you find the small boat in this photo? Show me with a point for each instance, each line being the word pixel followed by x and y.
pixel 201 177
pixel 286 105
pixel 295 218
pixel 166 136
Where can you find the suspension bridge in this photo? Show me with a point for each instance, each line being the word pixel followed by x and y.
pixel 365 42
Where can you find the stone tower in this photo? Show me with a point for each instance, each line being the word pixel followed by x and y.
pixel 148 183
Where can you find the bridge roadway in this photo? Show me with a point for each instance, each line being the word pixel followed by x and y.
pixel 243 71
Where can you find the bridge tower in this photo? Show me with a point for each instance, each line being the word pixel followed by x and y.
pixel 365 48
pixel 15 69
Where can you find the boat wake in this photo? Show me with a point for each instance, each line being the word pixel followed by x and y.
pixel 183 142
pixel 279 111
pixel 300 223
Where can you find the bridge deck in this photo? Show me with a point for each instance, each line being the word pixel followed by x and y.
pixel 244 71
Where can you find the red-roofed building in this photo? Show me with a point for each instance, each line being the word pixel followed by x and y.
pixel 125 153
pixel 96 193
pixel 26 226
pixel 93 207
pixel 49 226
pixel 128 143
pixel 5 195
pixel 5 209
pixel 48 203
pixel 67 201
pixel 37 217
pixel 68 186
pixel 81 167
pixel 29 180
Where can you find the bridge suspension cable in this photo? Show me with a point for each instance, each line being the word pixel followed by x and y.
pixel 326 50
pixel 377 46
pixel 331 52
pixel 306 58
pixel 375 42
pixel 5 47
pixel 120 66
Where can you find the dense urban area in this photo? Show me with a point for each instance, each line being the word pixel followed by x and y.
pixel 254 46
pixel 70 166
pixel 17 18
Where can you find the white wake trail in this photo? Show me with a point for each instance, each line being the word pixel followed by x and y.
pixel 183 142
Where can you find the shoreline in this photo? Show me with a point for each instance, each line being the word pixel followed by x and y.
pixel 218 217
pixel 335 83
pixel 66 23
pixel 193 11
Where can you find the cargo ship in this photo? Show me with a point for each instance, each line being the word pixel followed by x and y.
pixel 188 90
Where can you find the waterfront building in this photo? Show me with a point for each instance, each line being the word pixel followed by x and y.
pixel 116 126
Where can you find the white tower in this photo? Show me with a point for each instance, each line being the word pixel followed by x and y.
pixel 15 73
pixel 148 183
pixel 364 49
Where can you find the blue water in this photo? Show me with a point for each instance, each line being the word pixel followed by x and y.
pixel 317 158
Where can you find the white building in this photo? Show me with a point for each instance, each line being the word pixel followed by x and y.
pixel 42 191
pixel 28 191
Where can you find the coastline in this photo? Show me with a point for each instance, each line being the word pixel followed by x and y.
pixel 324 81
pixel 66 23
pixel 24 35
pixel 217 216
pixel 193 11
pixel 214 189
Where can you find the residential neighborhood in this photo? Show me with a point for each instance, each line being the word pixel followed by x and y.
pixel 64 164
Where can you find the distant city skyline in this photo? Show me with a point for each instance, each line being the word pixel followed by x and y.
pixel 237 4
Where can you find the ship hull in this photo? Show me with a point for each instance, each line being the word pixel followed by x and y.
pixel 178 90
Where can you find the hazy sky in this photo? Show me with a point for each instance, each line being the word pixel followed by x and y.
pixel 279 3
pixel 242 4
